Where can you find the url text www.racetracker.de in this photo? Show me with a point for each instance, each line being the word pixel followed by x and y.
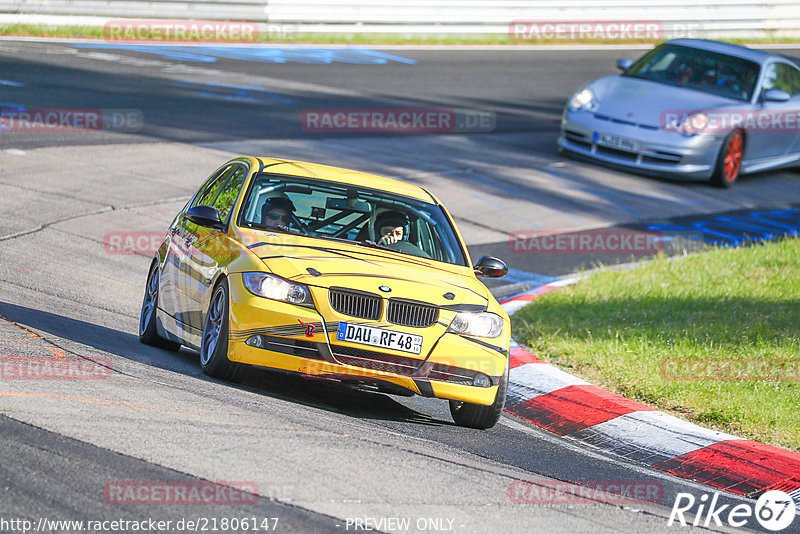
pixel 197 524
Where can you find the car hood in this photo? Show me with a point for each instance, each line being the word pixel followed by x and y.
pixel 648 103
pixel 327 263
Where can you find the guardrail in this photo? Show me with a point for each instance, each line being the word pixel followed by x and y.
pixel 710 18
pixel 251 10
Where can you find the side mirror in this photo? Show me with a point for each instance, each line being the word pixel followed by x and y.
pixel 624 64
pixel 775 95
pixel 206 216
pixel 491 267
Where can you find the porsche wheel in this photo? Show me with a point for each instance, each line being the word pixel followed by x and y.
pixel 148 333
pixel 214 345
pixel 478 415
pixel 729 160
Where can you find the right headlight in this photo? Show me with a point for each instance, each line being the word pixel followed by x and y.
pixel 277 288
pixel 583 99
pixel 478 324
pixel 694 124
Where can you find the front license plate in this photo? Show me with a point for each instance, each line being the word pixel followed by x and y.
pixel 379 337
pixel 617 141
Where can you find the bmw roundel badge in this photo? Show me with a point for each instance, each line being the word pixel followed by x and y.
pixel 385 289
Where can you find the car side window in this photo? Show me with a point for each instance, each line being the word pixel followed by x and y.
pixel 770 73
pixel 782 77
pixel 212 187
pixel 794 79
pixel 230 192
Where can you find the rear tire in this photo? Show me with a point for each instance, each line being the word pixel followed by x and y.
pixel 477 415
pixel 214 345
pixel 729 160
pixel 148 333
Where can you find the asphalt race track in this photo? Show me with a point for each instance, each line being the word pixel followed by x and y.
pixel 316 455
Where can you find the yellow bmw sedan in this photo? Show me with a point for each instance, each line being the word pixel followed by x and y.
pixel 330 273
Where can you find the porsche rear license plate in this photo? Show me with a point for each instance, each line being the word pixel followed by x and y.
pixel 379 337
pixel 617 141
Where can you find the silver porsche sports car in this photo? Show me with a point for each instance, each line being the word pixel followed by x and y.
pixel 692 109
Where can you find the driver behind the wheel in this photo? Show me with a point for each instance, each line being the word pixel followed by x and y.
pixel 276 212
pixel 392 228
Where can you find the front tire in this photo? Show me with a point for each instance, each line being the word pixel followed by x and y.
pixel 214 345
pixel 729 160
pixel 148 333
pixel 480 416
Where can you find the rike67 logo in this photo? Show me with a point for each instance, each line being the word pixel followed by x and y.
pixel 774 510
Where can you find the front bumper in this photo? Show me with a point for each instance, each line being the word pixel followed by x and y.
pixel 303 340
pixel 659 152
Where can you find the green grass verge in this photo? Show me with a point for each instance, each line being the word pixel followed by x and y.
pixel 96 32
pixel 713 337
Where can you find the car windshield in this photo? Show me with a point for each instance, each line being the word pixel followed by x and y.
pixel 329 210
pixel 701 70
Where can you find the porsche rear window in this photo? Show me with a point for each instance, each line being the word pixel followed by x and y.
pixel 337 211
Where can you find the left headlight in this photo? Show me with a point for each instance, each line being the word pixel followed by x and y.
pixel 478 324
pixel 277 288
pixel 583 99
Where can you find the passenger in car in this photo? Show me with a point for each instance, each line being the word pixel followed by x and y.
pixel 391 227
